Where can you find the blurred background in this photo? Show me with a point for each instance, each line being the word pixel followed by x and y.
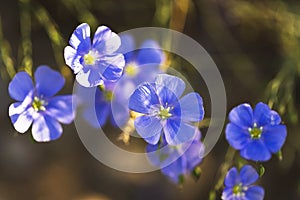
pixel 255 45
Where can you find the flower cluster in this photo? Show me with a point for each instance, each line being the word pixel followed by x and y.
pixel 133 81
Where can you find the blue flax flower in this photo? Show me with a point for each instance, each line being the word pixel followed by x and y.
pixel 97 61
pixel 238 186
pixel 177 161
pixel 256 133
pixel 37 104
pixel 97 111
pixel 164 111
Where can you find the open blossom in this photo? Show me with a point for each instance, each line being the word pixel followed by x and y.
pixel 256 133
pixel 177 161
pixel 37 104
pixel 238 185
pixel 97 61
pixel 163 111
pixel 111 102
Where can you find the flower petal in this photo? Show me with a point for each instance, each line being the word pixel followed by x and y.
pixel 72 59
pixel 248 175
pixel 174 170
pixel 80 39
pixel 48 81
pixel 45 129
pixel 237 137
pixel 113 66
pixel 143 99
pixel 256 151
pixel 194 154
pixel 255 193
pixel 61 109
pixel 89 78
pixel 23 120
pixel 178 132
pixel 232 177
pixel 167 97
pixel 20 86
pixel 149 53
pixel 106 41
pixel 227 194
pixel 97 117
pixel 127 47
pixel 275 119
pixel 149 128
pixel 191 107
pixel 242 116
pixel 274 137
pixel 261 114
pixel 174 84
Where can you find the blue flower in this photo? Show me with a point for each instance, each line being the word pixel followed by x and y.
pixel 177 161
pixel 238 186
pixel 164 111
pixel 94 62
pixel 143 64
pixel 256 133
pixel 37 105
pixel 98 110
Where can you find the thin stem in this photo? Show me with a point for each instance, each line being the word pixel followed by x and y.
pixel 5 53
pixel 26 45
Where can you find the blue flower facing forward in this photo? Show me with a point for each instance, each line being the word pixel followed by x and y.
pixel 238 186
pixel 164 111
pixel 177 161
pixel 97 61
pixel 37 105
pixel 256 133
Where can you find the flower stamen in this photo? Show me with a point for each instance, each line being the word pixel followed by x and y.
pixel 38 104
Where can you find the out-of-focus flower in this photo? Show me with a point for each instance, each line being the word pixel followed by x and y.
pixel 94 62
pixel 238 186
pixel 177 161
pixel 164 111
pixel 256 133
pixel 37 104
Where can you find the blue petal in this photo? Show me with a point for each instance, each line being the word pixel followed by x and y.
pixel 149 52
pixel 61 109
pixel 97 117
pixel 45 129
pixel 72 59
pixel 178 132
pixel 237 137
pixel 232 177
pixel 127 47
pixel 248 175
pixel 19 107
pixel 256 151
pixel 106 41
pixel 175 169
pixel 114 66
pixel 242 116
pixel 275 119
pixel 191 107
pixel 149 128
pixel 166 96
pixel 120 114
pixel 274 137
pixel 80 39
pixel 174 84
pixel 194 155
pixel 227 194
pixel 255 193
pixel 48 81
pixel 89 77
pixel 20 86
pixel 261 114
pixel 21 121
pixel 143 99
